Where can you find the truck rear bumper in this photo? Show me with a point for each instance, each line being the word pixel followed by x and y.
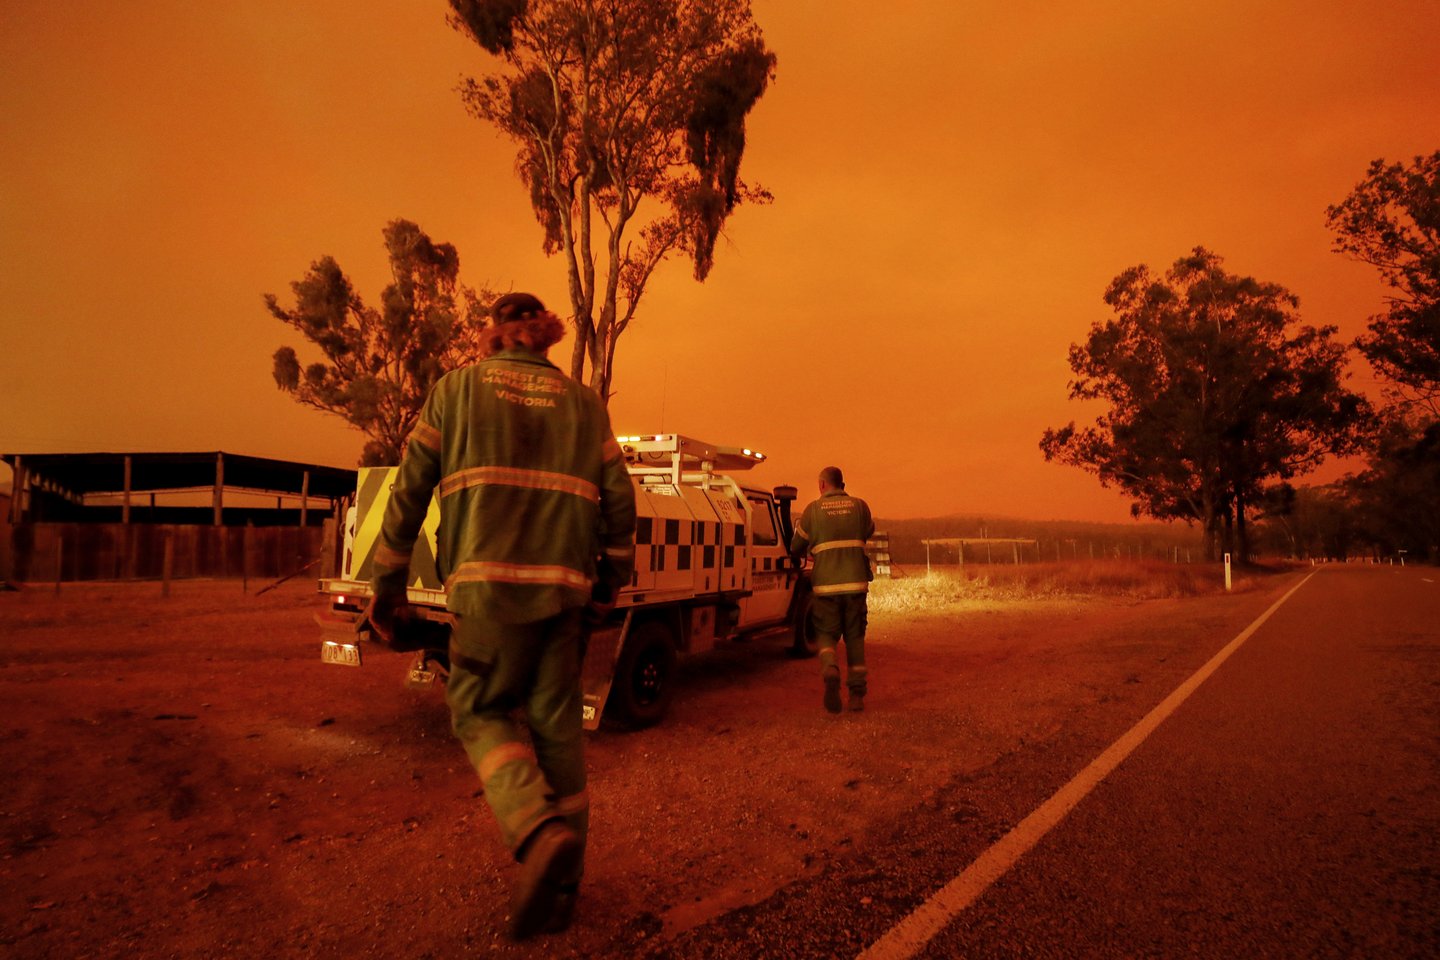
pixel 340 636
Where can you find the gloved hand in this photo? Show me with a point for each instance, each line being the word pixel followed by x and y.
pixel 602 601
pixel 388 615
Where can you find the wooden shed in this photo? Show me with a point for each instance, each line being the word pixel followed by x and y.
pixel 88 516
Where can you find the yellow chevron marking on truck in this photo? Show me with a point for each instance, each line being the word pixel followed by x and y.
pixel 374 485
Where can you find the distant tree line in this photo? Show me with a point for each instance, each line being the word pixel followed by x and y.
pixel 1391 508
pixel 1216 396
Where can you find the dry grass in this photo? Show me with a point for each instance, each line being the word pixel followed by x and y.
pixel 978 585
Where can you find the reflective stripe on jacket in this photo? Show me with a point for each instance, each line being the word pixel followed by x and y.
pixel 533 492
pixel 835 528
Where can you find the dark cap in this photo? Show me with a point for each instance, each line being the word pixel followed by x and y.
pixel 516 306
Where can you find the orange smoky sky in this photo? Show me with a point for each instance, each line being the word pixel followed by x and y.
pixel 955 185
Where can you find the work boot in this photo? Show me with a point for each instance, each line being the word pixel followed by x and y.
pixel 564 911
pixel 832 694
pixel 551 858
pixel 857 702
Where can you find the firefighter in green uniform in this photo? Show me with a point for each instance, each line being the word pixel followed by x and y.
pixel 537 520
pixel 834 529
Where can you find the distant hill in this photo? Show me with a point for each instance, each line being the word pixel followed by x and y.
pixel 1074 539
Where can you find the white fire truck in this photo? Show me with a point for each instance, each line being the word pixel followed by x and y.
pixel 711 564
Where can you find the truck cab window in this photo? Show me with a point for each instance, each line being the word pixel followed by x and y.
pixel 762 519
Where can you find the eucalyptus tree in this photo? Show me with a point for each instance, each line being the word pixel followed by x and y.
pixel 629 121
pixel 1212 388
pixel 379 362
pixel 1391 220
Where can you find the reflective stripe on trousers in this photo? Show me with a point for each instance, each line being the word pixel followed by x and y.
pixel 842 615
pixel 535 667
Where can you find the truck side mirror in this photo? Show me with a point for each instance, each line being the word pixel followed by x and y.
pixel 783 496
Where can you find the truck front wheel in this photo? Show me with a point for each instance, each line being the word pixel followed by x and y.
pixel 644 676
pixel 804 644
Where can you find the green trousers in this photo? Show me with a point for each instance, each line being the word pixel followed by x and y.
pixel 497 669
pixel 841 615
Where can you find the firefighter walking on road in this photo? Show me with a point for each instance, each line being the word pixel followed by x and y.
pixel 834 529
pixel 537 520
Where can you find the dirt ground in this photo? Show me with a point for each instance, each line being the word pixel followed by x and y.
pixel 185 778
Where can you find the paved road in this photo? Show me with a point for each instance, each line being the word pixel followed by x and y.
pixel 1290 807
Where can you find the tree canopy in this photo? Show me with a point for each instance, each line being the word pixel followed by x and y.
pixel 379 363
pixel 1390 508
pixel 1212 388
pixel 1391 220
pixel 629 118
pixel 1397 496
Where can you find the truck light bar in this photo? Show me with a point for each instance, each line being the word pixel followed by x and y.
pixel 673 451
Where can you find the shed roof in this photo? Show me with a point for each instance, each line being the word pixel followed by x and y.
pixel 84 473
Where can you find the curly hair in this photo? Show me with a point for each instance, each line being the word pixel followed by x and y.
pixel 535 332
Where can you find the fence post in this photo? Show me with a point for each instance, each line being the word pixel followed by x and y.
pixel 19 484
pixel 304 499
pixel 167 563
pixel 125 504
pixel 218 496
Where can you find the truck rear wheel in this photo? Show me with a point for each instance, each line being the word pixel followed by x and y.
pixel 805 644
pixel 644 676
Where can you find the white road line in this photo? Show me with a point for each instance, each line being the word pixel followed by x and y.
pixel 1427 579
pixel 909 936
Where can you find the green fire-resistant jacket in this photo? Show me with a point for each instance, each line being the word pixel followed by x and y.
pixel 835 527
pixel 535 502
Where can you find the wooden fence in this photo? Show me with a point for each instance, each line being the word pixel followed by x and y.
pixel 31 552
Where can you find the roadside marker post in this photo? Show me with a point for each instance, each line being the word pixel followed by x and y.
pixel 1227 573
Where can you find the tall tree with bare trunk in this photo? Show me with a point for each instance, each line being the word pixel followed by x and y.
pixel 629 118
